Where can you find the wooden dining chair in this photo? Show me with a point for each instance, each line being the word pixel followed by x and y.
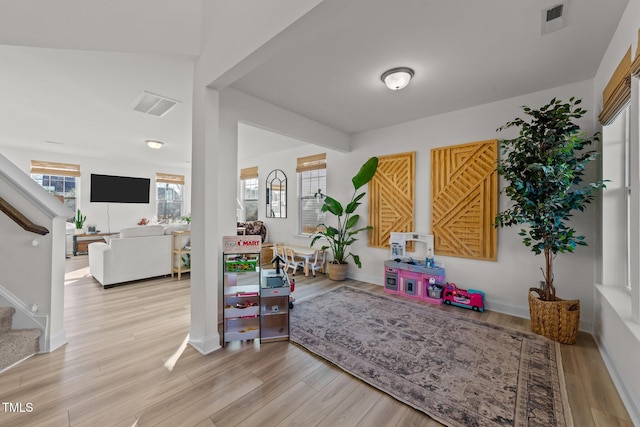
pixel 317 264
pixel 294 262
pixel 278 250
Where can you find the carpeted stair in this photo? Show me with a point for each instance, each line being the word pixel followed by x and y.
pixel 15 344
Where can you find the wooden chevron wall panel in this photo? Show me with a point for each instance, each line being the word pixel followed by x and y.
pixel 392 198
pixel 464 200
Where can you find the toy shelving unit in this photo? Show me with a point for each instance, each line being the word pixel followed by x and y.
pixel 274 306
pixel 241 288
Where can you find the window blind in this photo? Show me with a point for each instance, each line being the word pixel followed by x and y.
pixel 617 93
pixel 248 173
pixel 167 178
pixel 308 163
pixel 52 168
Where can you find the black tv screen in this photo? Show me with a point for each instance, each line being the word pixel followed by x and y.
pixel 119 189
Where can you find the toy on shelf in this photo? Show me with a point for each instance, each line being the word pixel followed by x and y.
pixel 470 298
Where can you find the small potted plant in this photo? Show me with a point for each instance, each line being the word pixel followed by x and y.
pixel 544 167
pixel 342 236
pixel 79 221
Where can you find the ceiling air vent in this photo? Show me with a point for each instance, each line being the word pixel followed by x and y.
pixel 553 19
pixel 156 105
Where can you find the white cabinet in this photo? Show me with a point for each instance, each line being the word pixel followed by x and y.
pixel 274 314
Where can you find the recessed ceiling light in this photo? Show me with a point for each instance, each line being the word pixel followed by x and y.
pixel 156 145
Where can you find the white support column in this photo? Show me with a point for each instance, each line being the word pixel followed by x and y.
pixel 205 235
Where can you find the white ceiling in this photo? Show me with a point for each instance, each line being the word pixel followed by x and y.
pixel 71 70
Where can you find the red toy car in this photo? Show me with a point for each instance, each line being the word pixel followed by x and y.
pixel 471 298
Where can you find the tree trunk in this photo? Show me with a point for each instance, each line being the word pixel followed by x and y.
pixel 549 288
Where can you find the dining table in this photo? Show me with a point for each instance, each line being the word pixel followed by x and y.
pixel 303 252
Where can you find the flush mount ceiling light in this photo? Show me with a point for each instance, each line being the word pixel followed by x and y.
pixel 156 145
pixel 397 78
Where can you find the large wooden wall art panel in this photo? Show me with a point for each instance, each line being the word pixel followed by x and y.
pixel 464 200
pixel 392 198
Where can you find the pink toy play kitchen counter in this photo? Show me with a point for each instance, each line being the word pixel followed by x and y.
pixel 413 279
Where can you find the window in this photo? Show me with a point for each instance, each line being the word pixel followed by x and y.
pixel 249 192
pixel 619 165
pixel 60 179
pixel 312 175
pixel 250 198
pixel 617 212
pixel 170 197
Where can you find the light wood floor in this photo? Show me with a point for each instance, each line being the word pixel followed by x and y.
pixel 126 365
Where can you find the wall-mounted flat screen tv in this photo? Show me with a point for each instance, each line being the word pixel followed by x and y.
pixel 119 189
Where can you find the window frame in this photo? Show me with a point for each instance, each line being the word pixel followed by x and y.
pixel 177 188
pixel 244 189
pixel 305 196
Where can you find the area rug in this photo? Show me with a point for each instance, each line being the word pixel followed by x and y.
pixel 459 371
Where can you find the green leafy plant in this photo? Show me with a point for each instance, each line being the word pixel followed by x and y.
pixel 187 218
pixel 79 220
pixel 343 236
pixel 186 260
pixel 544 168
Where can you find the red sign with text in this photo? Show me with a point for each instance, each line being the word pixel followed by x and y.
pixel 241 244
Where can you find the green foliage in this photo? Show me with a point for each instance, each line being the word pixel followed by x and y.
pixel 342 236
pixel 79 219
pixel 544 168
pixel 186 260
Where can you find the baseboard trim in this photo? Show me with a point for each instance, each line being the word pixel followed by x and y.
pixel 629 398
pixel 492 305
pixel 57 341
pixel 205 345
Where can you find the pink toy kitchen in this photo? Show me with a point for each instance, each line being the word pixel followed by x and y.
pixel 418 278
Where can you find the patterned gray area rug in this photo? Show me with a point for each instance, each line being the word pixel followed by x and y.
pixel 461 372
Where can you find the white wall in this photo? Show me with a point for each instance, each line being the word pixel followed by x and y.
pixel 517 268
pixel 108 217
pixel 32 265
pixel 282 230
pixel 616 331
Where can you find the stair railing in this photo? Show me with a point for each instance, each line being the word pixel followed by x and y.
pixel 20 219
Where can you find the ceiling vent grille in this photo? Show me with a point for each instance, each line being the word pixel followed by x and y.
pixel 156 105
pixel 555 12
pixel 553 19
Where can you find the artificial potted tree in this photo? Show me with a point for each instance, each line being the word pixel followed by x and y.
pixel 342 236
pixel 544 168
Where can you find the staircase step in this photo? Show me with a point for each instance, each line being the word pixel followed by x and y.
pixel 18 344
pixel 6 318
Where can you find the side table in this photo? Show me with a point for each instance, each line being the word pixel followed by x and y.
pixel 81 241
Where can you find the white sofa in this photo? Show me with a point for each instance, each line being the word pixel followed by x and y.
pixel 137 253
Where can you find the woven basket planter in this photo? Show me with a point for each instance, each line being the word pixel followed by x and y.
pixel 337 272
pixel 557 320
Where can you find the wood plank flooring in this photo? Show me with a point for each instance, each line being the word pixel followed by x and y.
pixel 126 364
